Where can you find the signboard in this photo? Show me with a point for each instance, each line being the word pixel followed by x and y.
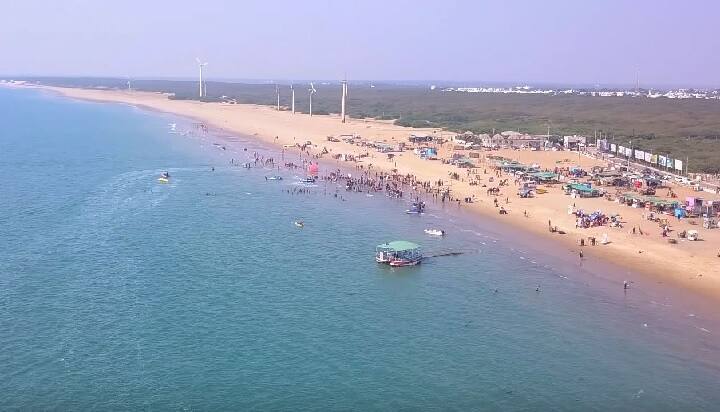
pixel 613 147
pixel 678 165
pixel 663 161
pixel 640 155
pixel 654 159
pixel 648 157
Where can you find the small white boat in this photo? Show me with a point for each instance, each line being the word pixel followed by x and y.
pixel 435 232
pixel 299 223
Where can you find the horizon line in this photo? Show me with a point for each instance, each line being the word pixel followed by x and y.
pixel 415 82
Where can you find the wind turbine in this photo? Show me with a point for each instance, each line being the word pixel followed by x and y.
pixel 200 66
pixel 292 105
pixel 277 93
pixel 312 91
pixel 344 98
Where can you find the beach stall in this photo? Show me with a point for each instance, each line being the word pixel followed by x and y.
pixel 544 177
pixel 576 171
pixel 581 190
pixel 420 138
pixel 383 147
pixel 464 162
pixel 427 153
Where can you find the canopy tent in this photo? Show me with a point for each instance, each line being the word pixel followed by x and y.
pixel 545 176
pixel 399 246
pixel 583 189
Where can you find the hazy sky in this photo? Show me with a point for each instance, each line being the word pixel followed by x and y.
pixel 572 41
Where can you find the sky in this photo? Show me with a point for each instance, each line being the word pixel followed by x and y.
pixel 606 42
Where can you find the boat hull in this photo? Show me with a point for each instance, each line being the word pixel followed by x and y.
pixel 404 262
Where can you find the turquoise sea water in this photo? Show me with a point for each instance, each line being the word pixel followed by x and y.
pixel 119 293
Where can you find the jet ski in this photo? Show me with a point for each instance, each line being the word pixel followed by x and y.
pixel 164 177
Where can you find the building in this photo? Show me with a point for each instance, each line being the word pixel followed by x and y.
pixel 574 142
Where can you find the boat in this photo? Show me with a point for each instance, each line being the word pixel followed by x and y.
pixel 308 180
pixel 299 223
pixel 164 177
pixel 416 208
pixel 435 232
pixel 398 253
pixel 274 178
pixel 405 262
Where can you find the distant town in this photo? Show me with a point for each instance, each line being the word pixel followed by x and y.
pixel 604 92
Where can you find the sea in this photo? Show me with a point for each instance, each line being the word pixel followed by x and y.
pixel 118 292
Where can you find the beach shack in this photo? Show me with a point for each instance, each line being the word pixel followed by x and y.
pixel 463 162
pixel 512 166
pixel 420 138
pixel 581 190
pixel 383 147
pixel 427 153
pixel 544 177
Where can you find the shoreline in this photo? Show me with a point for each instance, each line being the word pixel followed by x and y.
pixel 654 261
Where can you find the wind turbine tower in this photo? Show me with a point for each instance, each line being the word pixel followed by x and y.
pixel 202 86
pixel 312 91
pixel 277 94
pixel 292 104
pixel 344 98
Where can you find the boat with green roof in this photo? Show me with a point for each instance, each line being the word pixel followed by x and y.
pixel 399 253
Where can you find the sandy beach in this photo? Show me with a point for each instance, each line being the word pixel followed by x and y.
pixel 693 265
